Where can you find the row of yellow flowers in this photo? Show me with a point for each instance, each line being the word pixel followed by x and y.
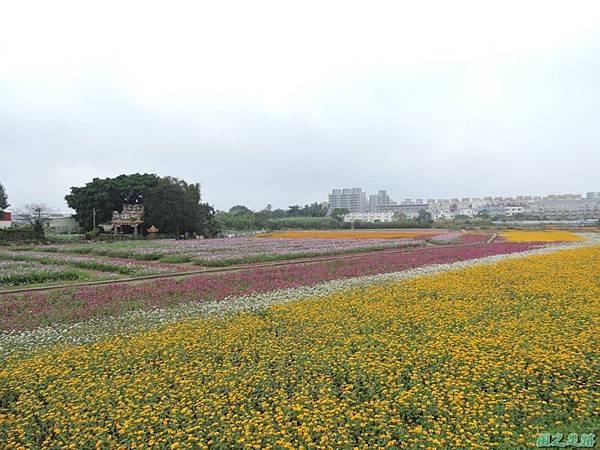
pixel 336 234
pixel 540 236
pixel 485 357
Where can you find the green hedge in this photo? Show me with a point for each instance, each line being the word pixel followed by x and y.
pixel 17 235
pixel 328 223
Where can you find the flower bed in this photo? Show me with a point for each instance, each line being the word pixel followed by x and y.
pixel 78 304
pixel 128 267
pixel 446 237
pixel 360 234
pixel 485 357
pixel 475 238
pixel 539 236
pixel 215 252
pixel 15 273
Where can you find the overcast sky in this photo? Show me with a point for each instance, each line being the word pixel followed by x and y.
pixel 278 102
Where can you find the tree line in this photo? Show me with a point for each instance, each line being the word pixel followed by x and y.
pixel 242 218
pixel 311 216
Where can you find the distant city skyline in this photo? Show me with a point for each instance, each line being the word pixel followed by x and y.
pixel 380 191
pixel 381 207
pixel 323 197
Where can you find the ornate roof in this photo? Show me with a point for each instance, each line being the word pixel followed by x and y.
pixel 131 215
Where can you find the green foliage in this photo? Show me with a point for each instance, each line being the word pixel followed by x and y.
pixel 339 213
pixel 92 234
pixel 176 259
pixel 208 225
pixel 312 210
pixel 66 238
pixel 170 204
pixel 239 210
pixel 39 276
pixel 3 199
pixel 17 235
pixel 89 264
pixel 242 218
pixel 107 195
pixel 401 223
pixel 459 223
pixel 173 206
pixel 424 217
pixel 312 216
pixel 238 221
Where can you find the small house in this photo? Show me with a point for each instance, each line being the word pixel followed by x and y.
pixel 5 219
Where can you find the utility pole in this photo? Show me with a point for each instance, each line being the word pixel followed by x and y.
pixel 94 217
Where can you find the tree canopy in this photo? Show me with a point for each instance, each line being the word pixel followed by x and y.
pixel 238 210
pixel 3 199
pixel 107 195
pixel 240 217
pixel 338 213
pixel 170 204
pixel 173 206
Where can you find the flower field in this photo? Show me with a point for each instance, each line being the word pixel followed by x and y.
pixel 126 267
pixel 362 234
pixel 218 252
pixel 34 309
pixel 483 357
pixel 472 238
pixel 540 236
pixel 105 261
pixel 33 269
pixel 16 273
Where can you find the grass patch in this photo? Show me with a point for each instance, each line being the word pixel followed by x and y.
pixel 176 259
pixel 40 277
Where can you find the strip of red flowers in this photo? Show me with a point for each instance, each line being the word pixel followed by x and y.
pixel 70 305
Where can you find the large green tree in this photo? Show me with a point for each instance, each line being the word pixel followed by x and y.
pixel 170 204
pixel 339 213
pixel 239 217
pixel 239 210
pixel 3 199
pixel 209 225
pixel 173 206
pixel 105 195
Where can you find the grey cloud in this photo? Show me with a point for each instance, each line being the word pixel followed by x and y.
pixel 456 130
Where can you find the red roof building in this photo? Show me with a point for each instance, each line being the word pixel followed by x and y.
pixel 5 219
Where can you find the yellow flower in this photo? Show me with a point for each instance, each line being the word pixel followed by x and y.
pixel 540 236
pixel 483 357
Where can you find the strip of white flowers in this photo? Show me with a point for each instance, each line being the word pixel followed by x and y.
pixel 132 322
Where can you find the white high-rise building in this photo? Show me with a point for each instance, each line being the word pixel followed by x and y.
pixel 376 201
pixel 352 199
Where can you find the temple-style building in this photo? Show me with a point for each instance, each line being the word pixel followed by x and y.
pixel 129 221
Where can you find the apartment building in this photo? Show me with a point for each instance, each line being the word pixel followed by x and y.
pixel 352 199
pixel 553 206
pixel 369 216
